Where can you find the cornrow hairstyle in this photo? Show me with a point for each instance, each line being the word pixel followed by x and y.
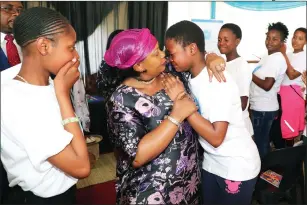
pixel 304 30
pixel 236 30
pixel 280 27
pixel 185 33
pixel 38 22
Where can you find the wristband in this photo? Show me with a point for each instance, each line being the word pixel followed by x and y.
pixel 69 120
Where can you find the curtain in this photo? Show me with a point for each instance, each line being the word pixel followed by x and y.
pixel 151 15
pixel 265 6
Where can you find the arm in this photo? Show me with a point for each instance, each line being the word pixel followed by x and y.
pixel 244 100
pixel 215 66
pixel 265 84
pixel 73 159
pixel 213 133
pixel 143 147
pixel 291 72
pixel 156 141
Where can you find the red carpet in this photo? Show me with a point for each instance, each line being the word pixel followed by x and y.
pixel 103 193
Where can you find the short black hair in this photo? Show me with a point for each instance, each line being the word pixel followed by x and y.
pixel 38 22
pixel 304 30
pixel 282 28
pixel 236 30
pixel 185 33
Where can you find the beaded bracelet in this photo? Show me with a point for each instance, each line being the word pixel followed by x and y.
pixel 173 121
pixel 69 120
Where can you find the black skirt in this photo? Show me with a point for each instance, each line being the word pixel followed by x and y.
pixel 19 196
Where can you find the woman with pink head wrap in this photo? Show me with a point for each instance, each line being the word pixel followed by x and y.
pixel 158 150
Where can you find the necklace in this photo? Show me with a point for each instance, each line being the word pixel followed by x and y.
pixel 22 78
pixel 147 82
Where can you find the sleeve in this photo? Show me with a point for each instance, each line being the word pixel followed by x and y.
pixel 125 128
pixel 37 129
pixel 244 79
pixel 299 64
pixel 274 65
pixel 220 102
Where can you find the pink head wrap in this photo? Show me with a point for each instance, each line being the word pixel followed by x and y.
pixel 130 47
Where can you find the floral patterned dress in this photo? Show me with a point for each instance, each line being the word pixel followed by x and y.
pixel 171 178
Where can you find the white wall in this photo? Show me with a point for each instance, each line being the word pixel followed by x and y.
pixel 253 23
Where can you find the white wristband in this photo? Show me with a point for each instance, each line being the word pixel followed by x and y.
pixel 69 120
pixel 173 121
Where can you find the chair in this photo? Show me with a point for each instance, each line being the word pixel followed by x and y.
pixel 287 162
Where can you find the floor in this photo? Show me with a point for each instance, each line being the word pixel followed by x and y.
pixel 102 171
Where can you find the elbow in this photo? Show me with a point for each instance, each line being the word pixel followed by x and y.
pixel 291 77
pixel 268 88
pixel 82 172
pixel 217 142
pixel 136 164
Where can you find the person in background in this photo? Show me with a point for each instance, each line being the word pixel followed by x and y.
pixel 43 149
pixel 105 88
pixel 229 38
pixel 10 52
pixel 266 81
pixel 9 10
pixel 292 97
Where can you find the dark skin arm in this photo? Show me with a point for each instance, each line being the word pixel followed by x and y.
pixel 214 133
pixel 244 100
pixel 291 72
pixel 265 84
pixel 156 141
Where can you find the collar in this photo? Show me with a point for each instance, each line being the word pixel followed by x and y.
pixel 2 36
pixel 202 76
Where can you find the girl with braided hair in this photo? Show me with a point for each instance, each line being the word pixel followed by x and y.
pixel 43 148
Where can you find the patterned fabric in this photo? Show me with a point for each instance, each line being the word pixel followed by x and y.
pixel 79 101
pixel 173 177
pixel 11 49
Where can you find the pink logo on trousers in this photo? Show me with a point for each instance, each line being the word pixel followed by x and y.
pixel 232 187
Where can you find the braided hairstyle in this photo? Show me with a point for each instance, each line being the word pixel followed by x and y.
pixel 38 22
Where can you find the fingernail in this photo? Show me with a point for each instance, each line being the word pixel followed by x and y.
pixel 74 60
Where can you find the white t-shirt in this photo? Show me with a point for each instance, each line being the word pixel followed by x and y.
pixel 298 62
pixel 237 158
pixel 31 132
pixel 10 73
pixel 273 66
pixel 241 73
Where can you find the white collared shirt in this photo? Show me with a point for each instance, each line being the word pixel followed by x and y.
pixel 3 45
pixel 237 158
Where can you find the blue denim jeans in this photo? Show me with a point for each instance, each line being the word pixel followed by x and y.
pixel 262 123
